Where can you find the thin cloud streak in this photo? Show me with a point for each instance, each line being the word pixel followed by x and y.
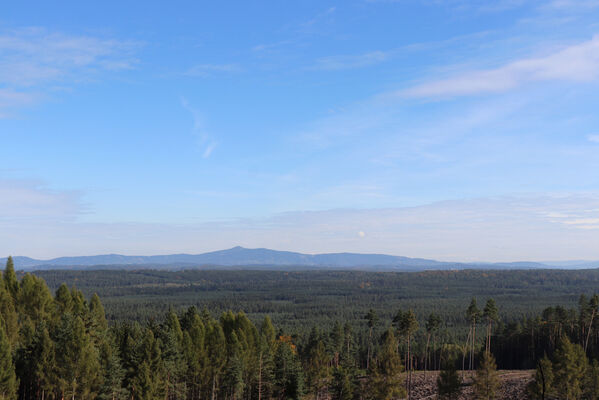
pixel 335 63
pixel 34 56
pixel 206 70
pixel 205 141
pixel 576 63
pixel 509 228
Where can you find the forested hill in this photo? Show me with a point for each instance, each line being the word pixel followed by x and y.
pixel 60 346
pixel 244 258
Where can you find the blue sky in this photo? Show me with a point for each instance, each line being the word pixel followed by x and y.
pixel 457 130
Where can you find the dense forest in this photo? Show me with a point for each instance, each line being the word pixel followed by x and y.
pixel 61 345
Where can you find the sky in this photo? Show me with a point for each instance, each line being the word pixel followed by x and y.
pixel 455 130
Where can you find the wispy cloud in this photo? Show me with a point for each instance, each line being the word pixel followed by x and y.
pixel 334 63
pixel 576 63
pixel 205 141
pixel 34 59
pixel 593 138
pixel 206 70
pixel 573 4
pixel 35 56
pixel 509 228
pixel 11 99
pixel 319 17
pixel 31 199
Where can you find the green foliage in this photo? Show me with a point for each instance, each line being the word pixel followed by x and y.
pixel 8 379
pixel 591 386
pixel 156 345
pixel 449 383
pixel 486 381
pixel 343 384
pixel 385 381
pixel 542 385
pixel 10 278
pixel 289 377
pixel 570 367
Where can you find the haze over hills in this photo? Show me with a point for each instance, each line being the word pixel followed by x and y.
pixel 254 258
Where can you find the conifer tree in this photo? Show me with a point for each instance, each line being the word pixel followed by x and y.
pixel 289 378
pixel 569 368
pixel 385 381
pixel 343 385
pixel 542 385
pixel 97 315
pixel 486 381
pixel 591 385
pixel 233 370
pixel 10 278
pixel 473 315
pixel 336 342
pixel 77 359
pixel 432 325
pixel 371 320
pixel 317 371
pixel 43 363
pixel 147 381
pixel 34 300
pixel 490 313
pixel 216 355
pixel 8 315
pixel 113 374
pixel 264 385
pixel 593 307
pixel 407 324
pixel 64 299
pixel 195 355
pixel 449 384
pixel 8 379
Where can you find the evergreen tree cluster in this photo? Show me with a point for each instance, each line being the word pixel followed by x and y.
pixel 60 346
pixel 57 346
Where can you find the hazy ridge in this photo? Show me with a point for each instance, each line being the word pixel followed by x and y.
pixel 273 259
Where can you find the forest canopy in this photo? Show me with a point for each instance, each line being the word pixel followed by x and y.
pixel 58 343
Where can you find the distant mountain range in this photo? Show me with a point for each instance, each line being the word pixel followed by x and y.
pixel 239 257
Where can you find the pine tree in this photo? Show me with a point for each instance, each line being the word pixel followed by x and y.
pixel 195 355
pixel 43 362
pixel 542 385
pixel 77 359
pixel 385 381
pixel 10 278
pixel 407 324
pixel 289 378
pixel 473 315
pixel 371 320
pixel 432 325
pixel 591 385
pixel 8 379
pixel 216 352
pixel 490 313
pixel 486 381
pixel 343 385
pixel 317 371
pixel 113 374
pixel 35 301
pixel 64 299
pixel 9 315
pixel 449 384
pixel 233 371
pixel 335 344
pixel 264 384
pixel 147 382
pixel 569 368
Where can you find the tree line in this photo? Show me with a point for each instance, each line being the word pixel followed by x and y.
pixel 59 345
